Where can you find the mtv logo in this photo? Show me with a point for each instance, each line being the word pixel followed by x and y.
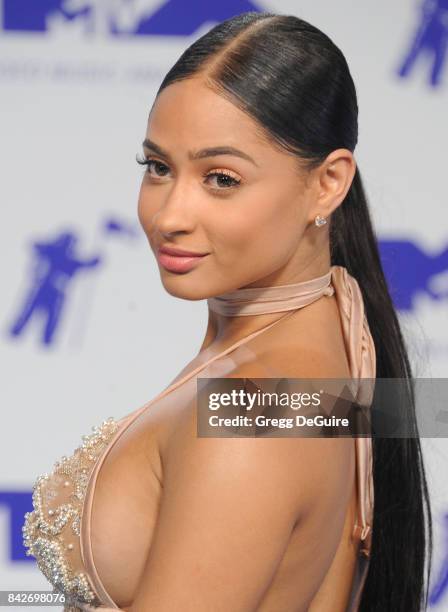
pixel 119 17
pixel 410 271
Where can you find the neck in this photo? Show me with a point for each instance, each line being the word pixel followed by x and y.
pixel 237 313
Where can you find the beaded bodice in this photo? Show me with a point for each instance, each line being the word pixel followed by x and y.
pixel 51 532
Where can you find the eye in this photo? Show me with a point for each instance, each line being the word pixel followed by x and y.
pixel 226 180
pixel 229 181
pixel 149 163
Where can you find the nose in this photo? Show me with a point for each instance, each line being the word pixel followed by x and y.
pixel 176 214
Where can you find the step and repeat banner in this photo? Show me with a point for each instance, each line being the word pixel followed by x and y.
pixel 87 330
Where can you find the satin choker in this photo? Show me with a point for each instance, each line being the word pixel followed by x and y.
pixel 263 300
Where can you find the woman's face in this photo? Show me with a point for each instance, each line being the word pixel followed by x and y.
pixel 249 212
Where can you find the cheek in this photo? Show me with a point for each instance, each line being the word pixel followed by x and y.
pixel 281 222
pixel 262 233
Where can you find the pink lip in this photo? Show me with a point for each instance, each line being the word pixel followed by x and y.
pixel 174 251
pixel 178 263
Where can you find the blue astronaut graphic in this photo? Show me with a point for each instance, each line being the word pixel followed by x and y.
pixel 56 263
pixel 431 39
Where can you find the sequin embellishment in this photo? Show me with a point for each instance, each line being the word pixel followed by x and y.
pixel 51 531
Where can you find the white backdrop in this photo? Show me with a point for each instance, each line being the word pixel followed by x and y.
pixel 77 79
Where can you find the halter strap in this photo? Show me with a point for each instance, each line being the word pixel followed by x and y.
pixel 263 300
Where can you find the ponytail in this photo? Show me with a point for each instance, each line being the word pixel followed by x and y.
pixel 395 580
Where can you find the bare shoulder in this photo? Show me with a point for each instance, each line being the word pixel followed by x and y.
pixel 232 503
pixel 244 467
pixel 292 467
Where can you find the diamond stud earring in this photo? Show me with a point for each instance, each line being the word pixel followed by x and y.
pixel 319 220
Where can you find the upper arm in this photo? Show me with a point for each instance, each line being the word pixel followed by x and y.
pixel 227 511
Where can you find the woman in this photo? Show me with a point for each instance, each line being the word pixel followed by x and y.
pixel 250 168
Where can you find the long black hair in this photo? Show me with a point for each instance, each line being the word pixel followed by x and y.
pixel 295 82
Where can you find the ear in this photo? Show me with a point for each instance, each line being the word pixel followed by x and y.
pixel 332 181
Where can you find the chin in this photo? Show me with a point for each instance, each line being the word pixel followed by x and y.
pixel 183 286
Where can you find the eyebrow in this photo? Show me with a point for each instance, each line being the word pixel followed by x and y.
pixel 209 152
